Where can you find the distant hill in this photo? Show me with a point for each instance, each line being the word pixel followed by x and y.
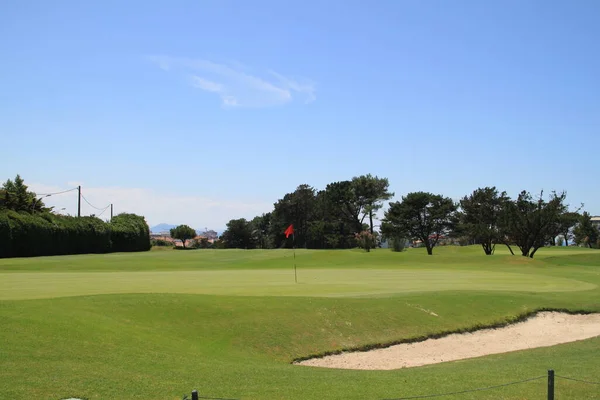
pixel 162 228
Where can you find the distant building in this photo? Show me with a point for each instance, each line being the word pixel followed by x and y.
pixel 210 234
pixel 163 237
pixel 596 221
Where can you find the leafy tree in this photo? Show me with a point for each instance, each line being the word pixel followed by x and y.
pixel 531 223
pixel 342 197
pixel 261 227
pixel 585 232
pixel 366 240
pixel 481 217
pixel 218 243
pixel 342 211
pixel 328 218
pixel 370 192
pixel 420 216
pixel 183 233
pixel 296 208
pixel 15 196
pixel 566 223
pixel 239 235
pixel 324 227
pixel 3 199
pixel 8 197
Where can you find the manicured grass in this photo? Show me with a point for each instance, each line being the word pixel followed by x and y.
pixel 156 325
pixel 313 282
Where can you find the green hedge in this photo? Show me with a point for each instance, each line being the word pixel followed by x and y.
pixel 28 235
pixel 130 232
pixel 5 236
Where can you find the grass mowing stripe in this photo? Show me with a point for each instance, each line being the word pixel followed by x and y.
pixel 449 257
pixel 312 282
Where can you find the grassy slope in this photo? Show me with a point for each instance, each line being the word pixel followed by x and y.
pixel 158 346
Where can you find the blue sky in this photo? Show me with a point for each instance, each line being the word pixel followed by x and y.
pixel 201 111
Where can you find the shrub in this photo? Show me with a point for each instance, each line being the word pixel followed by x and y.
pixel 203 243
pixel 130 232
pixel 161 243
pixel 366 240
pixel 398 244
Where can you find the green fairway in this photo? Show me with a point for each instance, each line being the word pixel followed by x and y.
pixel 313 282
pixel 156 325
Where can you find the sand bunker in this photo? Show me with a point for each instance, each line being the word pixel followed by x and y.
pixel 545 329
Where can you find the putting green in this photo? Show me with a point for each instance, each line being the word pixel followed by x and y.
pixel 311 282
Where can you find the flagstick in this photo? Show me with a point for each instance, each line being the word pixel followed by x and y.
pixel 295 274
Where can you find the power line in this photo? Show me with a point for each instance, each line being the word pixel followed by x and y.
pixel 91 205
pixel 52 194
pixel 470 390
pixel 106 208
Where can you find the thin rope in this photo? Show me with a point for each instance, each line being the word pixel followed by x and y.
pixel 578 380
pixel 468 391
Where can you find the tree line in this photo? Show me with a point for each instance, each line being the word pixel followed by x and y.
pixel 29 228
pixel 342 216
pixel 489 218
pixel 322 219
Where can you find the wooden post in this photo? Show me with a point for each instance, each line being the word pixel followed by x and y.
pixel 550 384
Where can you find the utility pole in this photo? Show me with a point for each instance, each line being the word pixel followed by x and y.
pixel 111 212
pixel 79 201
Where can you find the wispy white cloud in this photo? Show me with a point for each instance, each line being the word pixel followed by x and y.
pixel 235 86
pixel 196 211
pixel 305 87
pixel 207 85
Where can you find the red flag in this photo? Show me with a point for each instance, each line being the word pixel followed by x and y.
pixel 289 231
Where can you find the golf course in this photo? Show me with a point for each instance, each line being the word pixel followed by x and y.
pixel 231 323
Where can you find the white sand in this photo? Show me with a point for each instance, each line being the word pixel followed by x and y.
pixel 545 329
